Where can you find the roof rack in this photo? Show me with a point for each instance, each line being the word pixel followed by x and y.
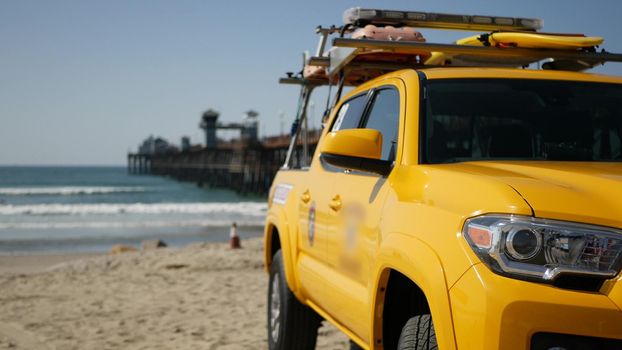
pixel 363 59
pixel 354 60
pixel 347 50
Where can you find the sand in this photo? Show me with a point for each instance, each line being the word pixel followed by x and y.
pixel 35 263
pixel 203 296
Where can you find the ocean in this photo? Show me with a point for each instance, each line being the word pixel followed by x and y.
pixel 49 210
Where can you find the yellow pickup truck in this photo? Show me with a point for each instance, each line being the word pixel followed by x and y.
pixel 455 208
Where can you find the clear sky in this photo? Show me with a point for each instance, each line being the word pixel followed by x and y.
pixel 82 82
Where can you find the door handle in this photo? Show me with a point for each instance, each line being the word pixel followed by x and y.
pixel 305 197
pixel 335 203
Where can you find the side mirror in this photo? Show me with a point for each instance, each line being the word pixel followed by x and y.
pixel 356 149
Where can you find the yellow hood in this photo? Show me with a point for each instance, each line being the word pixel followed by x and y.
pixel 573 191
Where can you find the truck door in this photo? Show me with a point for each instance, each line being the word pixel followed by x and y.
pixel 316 213
pixel 356 230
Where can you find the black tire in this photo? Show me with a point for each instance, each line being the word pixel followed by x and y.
pixel 354 346
pixel 418 334
pixel 296 324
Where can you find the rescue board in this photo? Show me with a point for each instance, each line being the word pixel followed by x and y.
pixel 513 39
pixel 533 40
pixel 443 59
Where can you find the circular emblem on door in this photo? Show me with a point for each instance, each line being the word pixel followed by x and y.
pixel 311 228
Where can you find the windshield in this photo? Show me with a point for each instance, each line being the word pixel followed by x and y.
pixel 484 119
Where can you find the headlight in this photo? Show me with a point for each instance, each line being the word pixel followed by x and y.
pixel 543 250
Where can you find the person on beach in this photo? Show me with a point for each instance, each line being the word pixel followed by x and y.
pixel 234 239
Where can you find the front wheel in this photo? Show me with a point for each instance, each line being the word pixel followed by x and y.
pixel 418 334
pixel 354 346
pixel 291 325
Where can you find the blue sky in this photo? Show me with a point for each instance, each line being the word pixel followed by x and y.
pixel 82 82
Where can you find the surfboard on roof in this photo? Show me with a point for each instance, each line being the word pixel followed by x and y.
pixel 510 40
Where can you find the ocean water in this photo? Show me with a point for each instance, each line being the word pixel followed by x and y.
pixel 46 210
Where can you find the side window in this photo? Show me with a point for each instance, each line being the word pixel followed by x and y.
pixel 385 117
pixel 349 115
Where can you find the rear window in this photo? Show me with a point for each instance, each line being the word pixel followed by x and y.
pixel 481 119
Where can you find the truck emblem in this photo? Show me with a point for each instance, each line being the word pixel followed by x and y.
pixel 311 229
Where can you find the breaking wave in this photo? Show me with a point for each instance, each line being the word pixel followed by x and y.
pixel 246 209
pixel 67 190
pixel 128 225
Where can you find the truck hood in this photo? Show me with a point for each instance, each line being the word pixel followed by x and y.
pixel 571 191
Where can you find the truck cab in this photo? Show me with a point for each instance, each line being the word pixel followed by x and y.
pixel 464 207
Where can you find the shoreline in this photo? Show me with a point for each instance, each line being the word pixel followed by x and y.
pixel 97 245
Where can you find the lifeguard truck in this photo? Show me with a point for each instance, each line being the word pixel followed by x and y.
pixel 461 196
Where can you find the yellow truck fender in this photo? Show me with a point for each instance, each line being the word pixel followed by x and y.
pixel 417 261
pixel 276 219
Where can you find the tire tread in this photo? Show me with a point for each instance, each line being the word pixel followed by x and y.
pixel 418 334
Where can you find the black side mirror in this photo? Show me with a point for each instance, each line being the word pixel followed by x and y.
pixel 376 166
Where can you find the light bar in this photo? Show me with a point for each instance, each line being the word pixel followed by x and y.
pixel 359 16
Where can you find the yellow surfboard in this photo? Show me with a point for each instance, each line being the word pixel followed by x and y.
pixel 513 39
pixel 443 59
pixel 535 40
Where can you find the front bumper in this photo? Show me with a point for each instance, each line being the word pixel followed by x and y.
pixel 495 312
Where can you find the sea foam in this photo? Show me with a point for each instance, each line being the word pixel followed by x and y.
pixel 67 190
pixel 257 209
pixel 256 222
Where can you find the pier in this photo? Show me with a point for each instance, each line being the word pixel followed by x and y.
pixel 246 165
pixel 138 163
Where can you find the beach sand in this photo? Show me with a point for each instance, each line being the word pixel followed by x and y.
pixel 204 296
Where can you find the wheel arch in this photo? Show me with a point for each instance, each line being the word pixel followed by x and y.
pixel 409 269
pixel 272 244
pixel 277 237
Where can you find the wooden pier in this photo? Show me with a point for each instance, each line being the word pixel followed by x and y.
pixel 138 163
pixel 244 166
